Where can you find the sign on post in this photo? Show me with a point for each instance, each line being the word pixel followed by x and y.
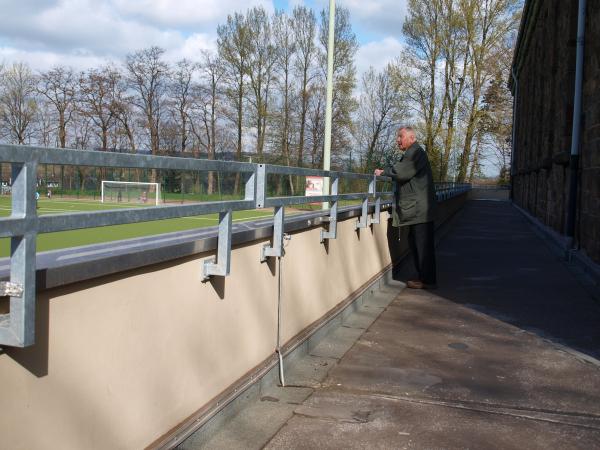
pixel 314 187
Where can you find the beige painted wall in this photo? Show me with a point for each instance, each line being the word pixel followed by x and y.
pixel 121 360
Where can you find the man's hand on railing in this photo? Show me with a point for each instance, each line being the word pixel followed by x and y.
pixel 378 172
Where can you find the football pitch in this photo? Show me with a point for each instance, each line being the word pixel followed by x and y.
pixel 75 238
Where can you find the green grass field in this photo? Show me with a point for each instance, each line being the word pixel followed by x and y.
pixel 74 238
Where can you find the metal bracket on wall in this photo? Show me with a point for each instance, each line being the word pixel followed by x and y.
pixel 276 249
pixel 331 233
pixel 363 222
pixel 376 219
pixel 220 266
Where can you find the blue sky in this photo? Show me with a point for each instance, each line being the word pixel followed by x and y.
pixel 87 33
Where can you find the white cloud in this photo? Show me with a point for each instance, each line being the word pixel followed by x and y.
pixel 82 32
pixel 377 54
pixel 186 12
pixel 45 60
pixel 191 48
pixel 381 17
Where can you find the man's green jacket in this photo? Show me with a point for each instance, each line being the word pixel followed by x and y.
pixel 414 200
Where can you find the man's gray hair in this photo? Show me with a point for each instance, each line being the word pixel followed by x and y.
pixel 407 128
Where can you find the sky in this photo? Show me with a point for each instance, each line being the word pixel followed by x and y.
pixel 87 33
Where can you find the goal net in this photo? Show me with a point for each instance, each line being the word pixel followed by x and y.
pixel 130 192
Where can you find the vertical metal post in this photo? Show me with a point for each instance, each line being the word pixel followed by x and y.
pixel 332 232
pixel 329 98
pixel 220 266
pixel 261 186
pixel 576 133
pixel 19 329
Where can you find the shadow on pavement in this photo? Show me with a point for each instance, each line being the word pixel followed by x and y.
pixel 493 262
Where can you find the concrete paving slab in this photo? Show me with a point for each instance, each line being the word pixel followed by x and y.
pixel 274 407
pixel 337 343
pixel 426 346
pixel 332 419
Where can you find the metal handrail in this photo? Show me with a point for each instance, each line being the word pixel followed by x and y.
pixel 17 327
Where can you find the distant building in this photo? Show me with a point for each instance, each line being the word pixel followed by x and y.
pixel 543 86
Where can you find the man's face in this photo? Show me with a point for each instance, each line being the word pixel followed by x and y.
pixel 404 139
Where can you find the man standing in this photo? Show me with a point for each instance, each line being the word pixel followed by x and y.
pixel 415 203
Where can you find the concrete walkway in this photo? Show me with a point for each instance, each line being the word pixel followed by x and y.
pixel 501 356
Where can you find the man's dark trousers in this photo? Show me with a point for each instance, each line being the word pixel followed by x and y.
pixel 422 246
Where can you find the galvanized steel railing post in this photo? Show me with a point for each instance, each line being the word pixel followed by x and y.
pixel 17 328
pixel 331 233
pixel 261 186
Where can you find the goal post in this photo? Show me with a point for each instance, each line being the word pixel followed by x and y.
pixel 129 192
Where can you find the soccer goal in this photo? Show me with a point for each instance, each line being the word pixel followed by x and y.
pixel 130 192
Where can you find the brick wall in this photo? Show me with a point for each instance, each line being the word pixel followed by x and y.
pixel 544 118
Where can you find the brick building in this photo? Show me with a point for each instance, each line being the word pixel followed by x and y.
pixel 543 85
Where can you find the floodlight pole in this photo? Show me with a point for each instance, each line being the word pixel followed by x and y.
pixel 329 101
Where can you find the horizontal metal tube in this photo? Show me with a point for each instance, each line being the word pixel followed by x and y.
pixel 74 221
pixel 285 170
pixel 12 226
pixel 284 201
pixel 15 153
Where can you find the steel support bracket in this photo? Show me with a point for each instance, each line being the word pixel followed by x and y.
pixel 221 265
pixel 276 249
pixel 331 233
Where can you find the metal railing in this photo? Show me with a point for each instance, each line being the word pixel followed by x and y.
pixel 17 326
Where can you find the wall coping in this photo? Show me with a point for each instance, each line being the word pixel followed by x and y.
pixel 57 268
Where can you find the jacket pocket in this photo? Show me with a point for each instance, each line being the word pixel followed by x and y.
pixel 408 209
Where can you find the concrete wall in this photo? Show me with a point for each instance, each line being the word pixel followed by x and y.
pixel 544 119
pixel 121 360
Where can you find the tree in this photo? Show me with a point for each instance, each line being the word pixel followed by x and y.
pixel 18 104
pixel 379 115
pixel 96 100
pixel 261 58
pixel 59 86
pixel 496 123
pixel 489 22
pixel 424 32
pixel 122 107
pixel 147 76
pixel 305 29
pixel 456 60
pixel 233 44
pixel 285 46
pixel 181 90
pixel 206 100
